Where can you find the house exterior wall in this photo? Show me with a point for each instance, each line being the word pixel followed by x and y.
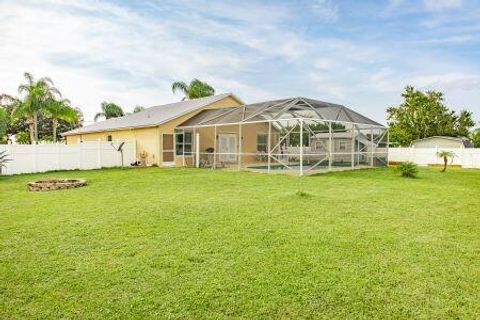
pixel 249 141
pixel 437 142
pixel 337 144
pixel 146 140
pixel 149 139
pixel 322 145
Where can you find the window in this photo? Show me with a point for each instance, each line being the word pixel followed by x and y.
pixel 342 145
pixel 109 137
pixel 319 146
pixel 179 143
pixel 262 139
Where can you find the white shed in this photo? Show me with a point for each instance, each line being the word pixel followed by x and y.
pixel 442 142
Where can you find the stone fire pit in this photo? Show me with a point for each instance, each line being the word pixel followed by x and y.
pixel 56 184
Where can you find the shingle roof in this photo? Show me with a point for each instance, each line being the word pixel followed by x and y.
pixel 151 116
pixel 465 141
pixel 278 109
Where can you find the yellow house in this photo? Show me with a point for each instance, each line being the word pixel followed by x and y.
pixel 153 129
pixel 297 135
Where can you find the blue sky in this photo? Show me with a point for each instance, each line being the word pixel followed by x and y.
pixel 359 53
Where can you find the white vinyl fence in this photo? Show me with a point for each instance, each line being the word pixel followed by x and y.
pixel 58 156
pixel 467 157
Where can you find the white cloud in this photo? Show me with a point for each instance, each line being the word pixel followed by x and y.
pixel 325 10
pixel 97 51
pixel 448 81
pixel 438 5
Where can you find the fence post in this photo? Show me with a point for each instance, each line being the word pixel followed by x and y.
pixel 57 155
pixel 34 157
pixel 462 156
pixel 11 157
pixel 79 164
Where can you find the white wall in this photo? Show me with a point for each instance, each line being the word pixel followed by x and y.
pixel 59 156
pixel 465 157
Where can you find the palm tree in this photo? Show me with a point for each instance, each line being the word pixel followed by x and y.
pixel 109 110
pixel 196 89
pixel 37 95
pixel 445 155
pixel 138 109
pixel 3 160
pixel 3 122
pixel 7 105
pixel 60 109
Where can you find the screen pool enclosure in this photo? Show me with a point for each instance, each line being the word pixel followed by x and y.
pixel 295 135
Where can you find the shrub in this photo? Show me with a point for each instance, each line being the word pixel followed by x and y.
pixel 408 169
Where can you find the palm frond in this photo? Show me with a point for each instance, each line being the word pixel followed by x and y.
pixel 180 86
pixel 445 154
pixel 138 109
pixel 7 99
pixel 56 91
pixel 99 115
pixel 47 80
pixel 23 88
pixel 3 159
pixel 28 76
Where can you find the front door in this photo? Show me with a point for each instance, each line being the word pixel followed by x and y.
pixel 227 145
pixel 168 152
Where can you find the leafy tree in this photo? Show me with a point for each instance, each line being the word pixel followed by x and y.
pixel 8 123
pixel 138 109
pixel 22 137
pixel 3 121
pixel 294 137
pixel 109 110
pixel 475 136
pixel 422 115
pixel 37 95
pixel 445 155
pixel 45 127
pixel 464 123
pixel 60 109
pixel 195 89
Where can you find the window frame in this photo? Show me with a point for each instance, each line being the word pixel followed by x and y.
pixel 179 152
pixel 265 144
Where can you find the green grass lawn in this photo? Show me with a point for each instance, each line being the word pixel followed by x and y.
pixel 195 243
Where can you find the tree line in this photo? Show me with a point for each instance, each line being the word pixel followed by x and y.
pixel 425 114
pixel 41 113
pixel 40 105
